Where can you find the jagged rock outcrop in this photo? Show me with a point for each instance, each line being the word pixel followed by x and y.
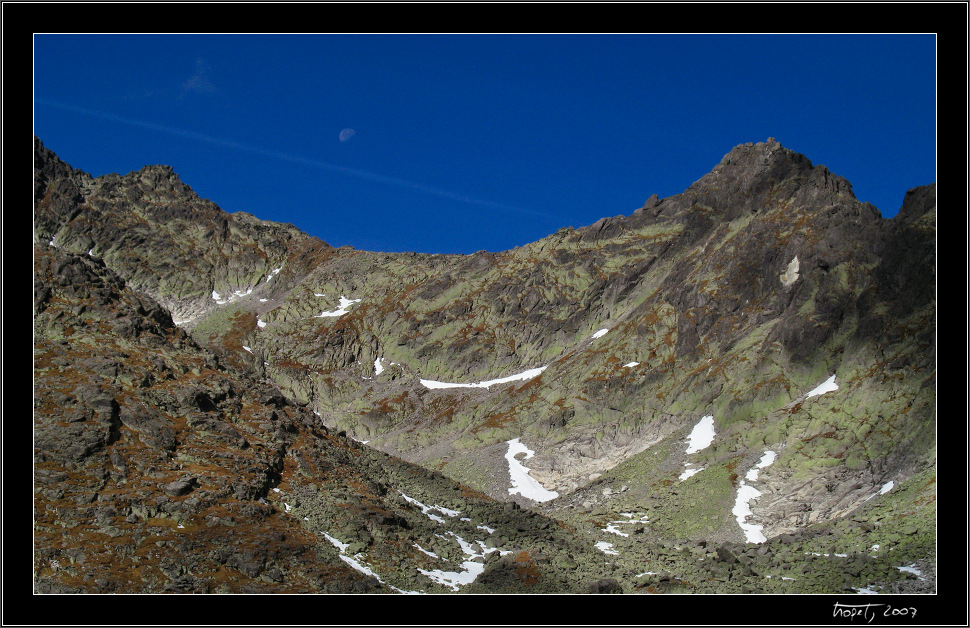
pixel 765 296
pixel 160 236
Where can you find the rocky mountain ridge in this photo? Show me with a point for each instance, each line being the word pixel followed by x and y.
pixel 712 316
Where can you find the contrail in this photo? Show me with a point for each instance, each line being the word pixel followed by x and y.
pixel 353 172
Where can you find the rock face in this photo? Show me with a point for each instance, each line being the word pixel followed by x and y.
pixel 765 296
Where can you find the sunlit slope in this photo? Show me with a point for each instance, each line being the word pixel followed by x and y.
pixel 641 326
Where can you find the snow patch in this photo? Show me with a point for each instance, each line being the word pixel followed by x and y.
pixel 611 526
pixel 344 304
pixel 791 273
pixel 827 386
pixel 523 376
pixel 260 323
pixel 747 493
pixel 336 542
pixel 274 273
pixel 356 563
pixel 471 569
pixel 702 435
pixel 631 364
pixel 888 486
pixel 688 472
pixel 600 333
pixel 378 367
pixel 421 549
pixel 768 457
pixel 364 569
pixel 453 579
pixel 427 509
pixel 614 530
pixel 913 570
pixel 699 438
pixel 522 483
pixel 606 548
pixel 742 511
pixel 235 295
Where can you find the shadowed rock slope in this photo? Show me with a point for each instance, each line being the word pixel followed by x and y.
pixel 746 369
pixel 156 469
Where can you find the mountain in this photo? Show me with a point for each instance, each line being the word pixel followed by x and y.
pixel 728 390
pixel 157 469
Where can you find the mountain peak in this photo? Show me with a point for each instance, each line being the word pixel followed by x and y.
pixel 758 155
pixel 754 163
pixel 753 178
pixel 754 175
pixel 765 298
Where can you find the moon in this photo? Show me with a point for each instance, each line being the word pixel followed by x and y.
pixel 346 134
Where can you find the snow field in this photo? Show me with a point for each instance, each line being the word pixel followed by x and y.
pixel 630 518
pixel 523 376
pixel 344 304
pixel 913 570
pixel 747 493
pixel 699 438
pixel 606 548
pixel 827 386
pixel 522 483
pixel 791 273
pixel 421 549
pixel 470 569
pixel 235 295
pixel 427 509
pixel 888 486
pixel 688 472
pixel 336 542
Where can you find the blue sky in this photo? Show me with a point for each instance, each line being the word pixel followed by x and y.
pixel 467 142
